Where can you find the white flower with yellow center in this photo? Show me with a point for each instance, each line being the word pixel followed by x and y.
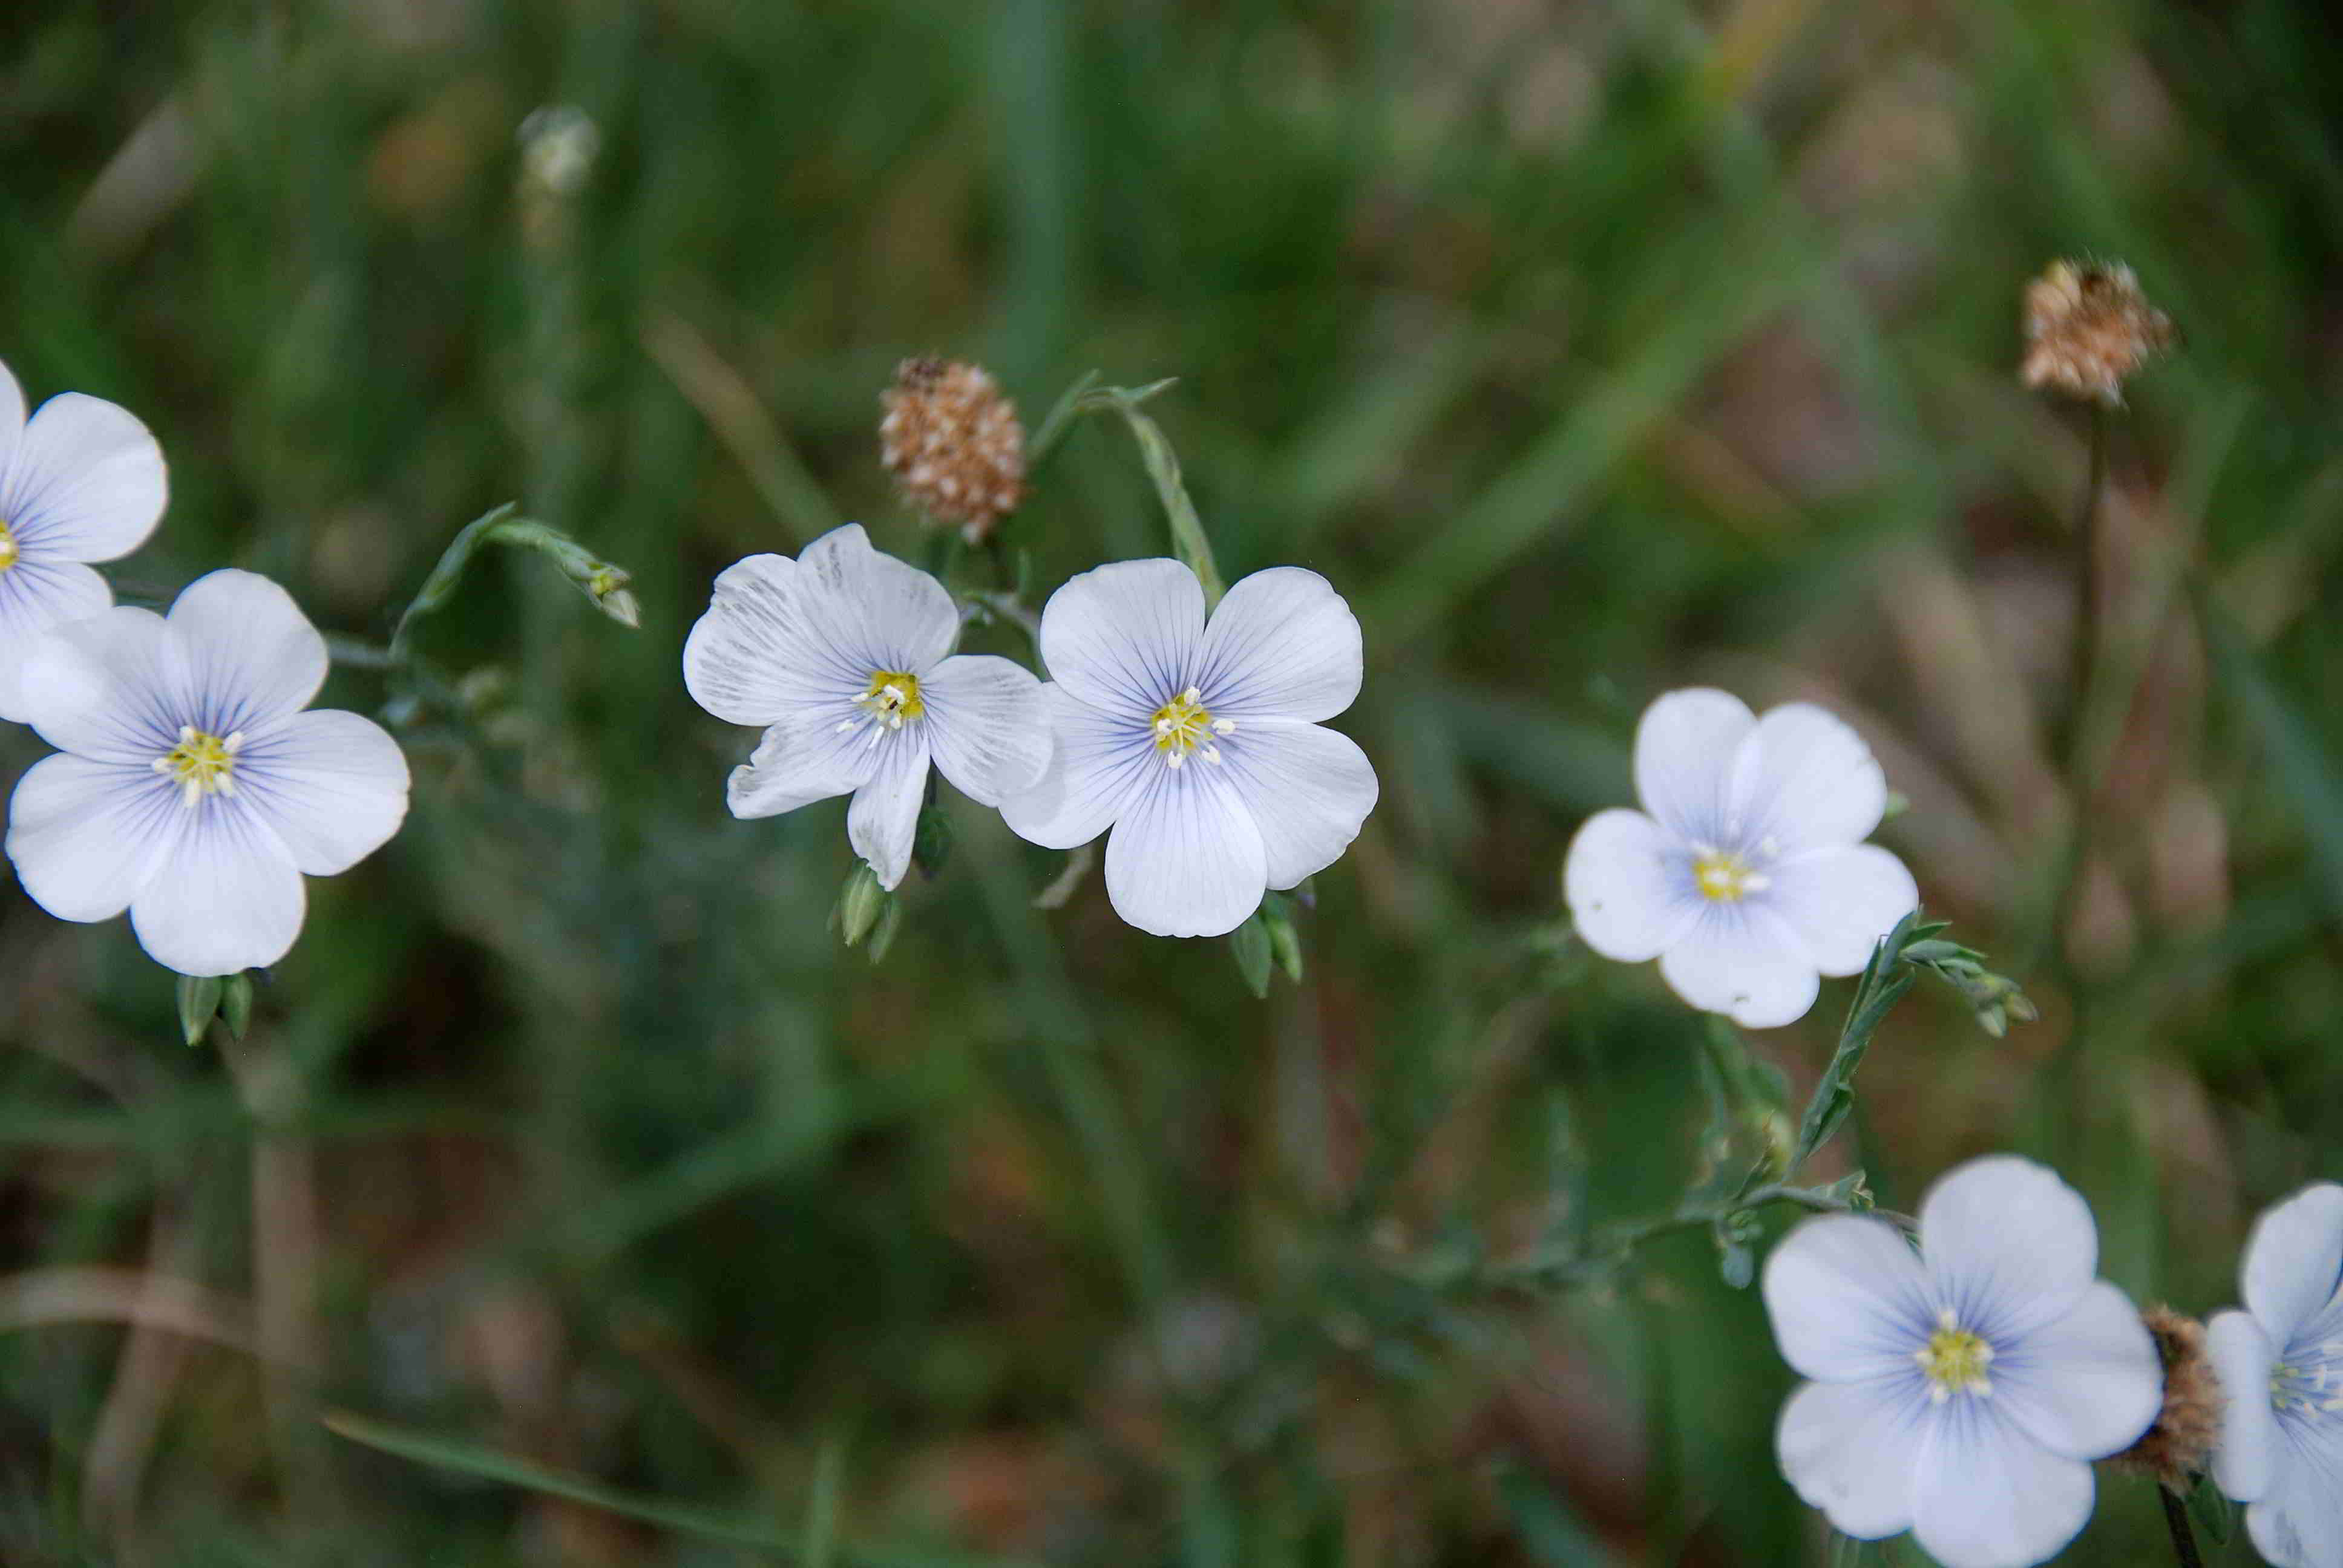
pixel 845 656
pixel 1745 873
pixel 1198 742
pixel 191 788
pixel 1959 1393
pixel 80 481
pixel 2281 1362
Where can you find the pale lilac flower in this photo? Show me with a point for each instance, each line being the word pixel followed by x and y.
pixel 1198 743
pixel 2281 1362
pixel 1745 873
pixel 80 481
pixel 1961 1392
pixel 845 656
pixel 190 788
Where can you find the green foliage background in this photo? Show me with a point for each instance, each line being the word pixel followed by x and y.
pixel 1590 349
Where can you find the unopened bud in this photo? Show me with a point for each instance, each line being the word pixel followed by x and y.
pixel 952 442
pixel 2088 328
pixel 860 903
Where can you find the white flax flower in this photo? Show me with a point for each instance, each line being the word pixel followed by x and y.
pixel 2281 1362
pixel 1198 742
pixel 1961 1392
pixel 845 656
pixel 1745 873
pixel 190 788
pixel 80 481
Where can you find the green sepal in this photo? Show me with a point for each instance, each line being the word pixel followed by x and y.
pixel 236 1002
pixel 2212 1509
pixel 199 1001
pixel 931 842
pixel 1249 943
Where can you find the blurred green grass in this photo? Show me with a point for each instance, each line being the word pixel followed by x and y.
pixel 1590 350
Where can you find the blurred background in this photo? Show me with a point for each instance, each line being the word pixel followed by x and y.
pixel 1590 349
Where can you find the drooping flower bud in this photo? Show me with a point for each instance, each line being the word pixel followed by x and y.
pixel 2088 328
pixel 2177 1447
pixel 952 442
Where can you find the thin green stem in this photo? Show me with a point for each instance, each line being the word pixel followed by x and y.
pixel 2176 1520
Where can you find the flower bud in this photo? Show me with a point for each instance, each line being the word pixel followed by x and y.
pixel 2088 328
pixel 953 443
pixel 2177 1447
pixel 860 903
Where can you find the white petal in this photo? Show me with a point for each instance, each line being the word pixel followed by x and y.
pixel 248 656
pixel 226 896
pixel 1852 1449
pixel 1099 764
pixel 988 725
pixel 1804 777
pixel 87 836
pixel 36 597
pixel 806 758
pixel 1625 896
pixel 1683 755
pixel 87 484
pixel 2009 1247
pixel 332 784
pixel 871 605
pixel 1848 1299
pixel 1186 859
pixel 1123 637
pixel 755 657
pixel 1739 959
pixel 1282 643
pixel 2088 1384
pixel 106 688
pixel 1840 902
pixel 1991 1497
pixel 2247 1449
pixel 885 816
pixel 2294 1261
pixel 2299 1522
pixel 1308 790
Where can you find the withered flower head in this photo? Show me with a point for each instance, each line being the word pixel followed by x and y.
pixel 2179 1445
pixel 2088 328
pixel 953 443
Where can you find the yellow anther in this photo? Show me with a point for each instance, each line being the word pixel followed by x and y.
pixel 1184 725
pixel 201 764
pixel 1954 1361
pixel 1723 877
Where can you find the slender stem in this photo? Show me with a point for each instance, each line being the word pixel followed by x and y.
pixel 1571 1263
pixel 2176 1519
pixel 2085 666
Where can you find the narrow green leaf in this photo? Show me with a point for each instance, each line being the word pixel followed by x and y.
pixel 2212 1510
pixel 1188 540
pixel 1885 981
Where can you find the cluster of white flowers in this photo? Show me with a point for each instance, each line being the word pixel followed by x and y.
pixel 1193 741
pixel 1962 1391
pixel 189 787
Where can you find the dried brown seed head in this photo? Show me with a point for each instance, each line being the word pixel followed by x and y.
pixel 2177 1447
pixel 2088 328
pixel 953 443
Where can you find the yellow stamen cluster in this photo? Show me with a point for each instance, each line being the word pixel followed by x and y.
pixel 1723 877
pixel 1954 1361
pixel 1184 725
pixel 7 545
pixel 201 764
pixel 893 697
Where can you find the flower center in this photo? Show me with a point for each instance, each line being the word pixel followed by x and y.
pixel 893 697
pixel 2309 1383
pixel 201 764
pixel 7 545
pixel 1183 725
pixel 1723 877
pixel 1954 1361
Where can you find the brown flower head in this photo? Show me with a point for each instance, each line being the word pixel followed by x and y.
pixel 953 443
pixel 2088 328
pixel 2177 1447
